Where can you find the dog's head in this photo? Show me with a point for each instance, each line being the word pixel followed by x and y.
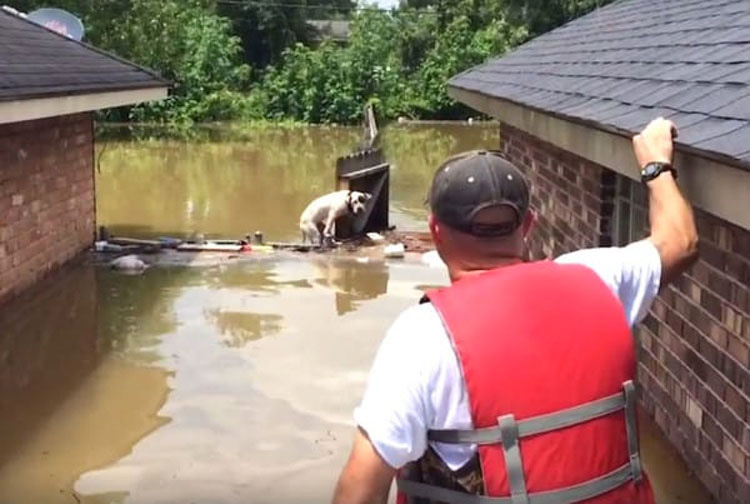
pixel 357 201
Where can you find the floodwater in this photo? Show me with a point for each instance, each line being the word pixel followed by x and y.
pixel 223 384
pixel 229 183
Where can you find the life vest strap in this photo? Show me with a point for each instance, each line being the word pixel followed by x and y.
pixel 535 425
pixel 632 429
pixel 508 432
pixel 513 463
pixel 568 495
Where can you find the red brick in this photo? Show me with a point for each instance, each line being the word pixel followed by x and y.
pixel 734 454
pixel 740 242
pixel 736 401
pixel 36 178
pixel 737 267
pixel 739 350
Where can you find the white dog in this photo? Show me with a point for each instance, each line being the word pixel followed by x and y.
pixel 318 220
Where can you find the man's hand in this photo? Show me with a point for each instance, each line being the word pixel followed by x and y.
pixel 366 478
pixel 670 216
pixel 654 144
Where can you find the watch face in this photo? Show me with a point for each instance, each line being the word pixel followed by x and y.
pixel 653 170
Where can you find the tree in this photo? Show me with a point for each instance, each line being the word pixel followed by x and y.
pixel 268 28
pixel 459 47
pixel 541 16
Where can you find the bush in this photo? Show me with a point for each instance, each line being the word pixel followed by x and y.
pixel 398 62
pixel 331 84
pixel 185 42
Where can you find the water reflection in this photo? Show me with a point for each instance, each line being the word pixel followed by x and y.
pixel 67 406
pixel 248 410
pixel 239 328
pixel 134 311
pixel 42 358
pixel 190 384
pixel 351 285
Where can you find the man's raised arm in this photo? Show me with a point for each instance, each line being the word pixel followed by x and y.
pixel 671 219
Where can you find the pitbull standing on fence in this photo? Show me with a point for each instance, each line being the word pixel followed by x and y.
pixel 517 381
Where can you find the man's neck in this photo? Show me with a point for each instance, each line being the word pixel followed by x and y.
pixel 465 271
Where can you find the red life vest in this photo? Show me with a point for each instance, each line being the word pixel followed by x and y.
pixel 541 340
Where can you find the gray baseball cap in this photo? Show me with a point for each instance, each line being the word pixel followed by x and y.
pixel 470 182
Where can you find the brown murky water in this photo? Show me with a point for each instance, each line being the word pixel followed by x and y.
pixel 230 183
pixel 221 384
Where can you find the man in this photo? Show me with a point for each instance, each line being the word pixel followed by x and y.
pixel 537 356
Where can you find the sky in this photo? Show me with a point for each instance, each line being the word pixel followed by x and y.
pixel 386 4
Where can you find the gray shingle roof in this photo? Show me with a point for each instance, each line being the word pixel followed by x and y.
pixel 36 62
pixel 626 63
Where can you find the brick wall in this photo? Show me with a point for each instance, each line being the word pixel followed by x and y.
pixel 46 197
pixel 572 196
pixel 694 361
pixel 694 357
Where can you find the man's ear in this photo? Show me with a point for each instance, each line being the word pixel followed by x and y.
pixel 434 229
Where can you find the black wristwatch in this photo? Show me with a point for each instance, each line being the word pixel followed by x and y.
pixel 654 169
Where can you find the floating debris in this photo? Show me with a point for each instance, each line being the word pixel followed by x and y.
pixel 395 251
pixel 376 237
pixel 131 263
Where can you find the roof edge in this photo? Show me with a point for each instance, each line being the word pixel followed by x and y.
pixel 724 193
pixel 152 73
pixel 136 86
pixel 609 128
pixel 39 108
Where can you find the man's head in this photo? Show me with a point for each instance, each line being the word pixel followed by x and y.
pixel 480 212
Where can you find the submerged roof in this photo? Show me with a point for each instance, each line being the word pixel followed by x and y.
pixel 633 60
pixel 38 63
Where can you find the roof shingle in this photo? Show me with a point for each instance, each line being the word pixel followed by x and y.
pixel 626 63
pixel 36 62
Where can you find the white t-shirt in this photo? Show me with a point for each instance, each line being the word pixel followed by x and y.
pixel 415 383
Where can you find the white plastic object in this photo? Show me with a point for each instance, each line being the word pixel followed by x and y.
pixel 376 237
pixel 395 250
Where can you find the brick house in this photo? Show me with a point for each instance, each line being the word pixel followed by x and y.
pixel 568 103
pixel 49 87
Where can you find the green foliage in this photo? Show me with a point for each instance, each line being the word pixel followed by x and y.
pixel 191 46
pixel 331 84
pixel 543 15
pixel 400 62
pixel 267 30
pixel 457 49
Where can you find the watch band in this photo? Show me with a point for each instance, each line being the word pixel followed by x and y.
pixel 654 169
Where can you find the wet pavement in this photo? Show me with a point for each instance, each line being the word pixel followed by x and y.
pixel 226 383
